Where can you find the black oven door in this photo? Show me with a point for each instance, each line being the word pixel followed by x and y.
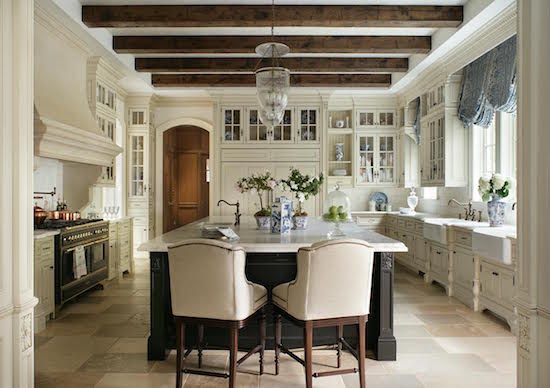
pixel 96 258
pixel 99 254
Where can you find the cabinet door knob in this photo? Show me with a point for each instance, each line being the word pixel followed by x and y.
pixel 51 266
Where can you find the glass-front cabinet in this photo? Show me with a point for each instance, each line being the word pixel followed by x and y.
pixel 308 125
pixel 257 132
pixel 232 125
pixel 376 159
pixel 283 133
pixel 376 118
pixel 138 165
pixel 433 169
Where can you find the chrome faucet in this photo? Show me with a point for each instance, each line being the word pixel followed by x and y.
pixel 237 213
pixel 469 213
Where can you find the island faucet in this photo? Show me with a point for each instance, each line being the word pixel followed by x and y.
pixel 469 213
pixel 237 213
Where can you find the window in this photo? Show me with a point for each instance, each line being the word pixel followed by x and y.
pixel 494 149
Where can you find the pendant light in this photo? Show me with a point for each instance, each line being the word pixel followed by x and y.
pixel 272 82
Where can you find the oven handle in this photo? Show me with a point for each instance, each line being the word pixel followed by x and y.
pixel 87 245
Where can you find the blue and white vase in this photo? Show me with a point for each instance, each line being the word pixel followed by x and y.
pixel 263 222
pixel 281 216
pixel 339 152
pixel 496 209
pixel 300 222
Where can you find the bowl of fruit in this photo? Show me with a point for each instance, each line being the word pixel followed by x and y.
pixel 337 211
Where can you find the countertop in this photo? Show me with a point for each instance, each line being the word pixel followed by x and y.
pixel 120 219
pixel 254 240
pixel 42 233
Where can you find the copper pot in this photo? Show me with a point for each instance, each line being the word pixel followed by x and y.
pixel 39 215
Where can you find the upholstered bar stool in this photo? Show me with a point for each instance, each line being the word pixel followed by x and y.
pixel 209 288
pixel 332 288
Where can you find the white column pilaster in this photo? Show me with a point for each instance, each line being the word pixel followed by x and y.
pixel 533 288
pixel 16 166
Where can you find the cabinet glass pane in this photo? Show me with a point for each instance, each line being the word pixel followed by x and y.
pixel 366 159
pixel 312 132
pixel 236 117
pixel 312 117
pixel 283 132
pixel 303 117
pixel 228 117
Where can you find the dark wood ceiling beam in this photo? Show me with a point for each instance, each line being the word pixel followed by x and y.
pixel 121 16
pixel 299 44
pixel 249 80
pixel 295 65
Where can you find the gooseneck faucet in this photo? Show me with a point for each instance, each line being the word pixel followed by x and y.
pixel 237 213
pixel 469 213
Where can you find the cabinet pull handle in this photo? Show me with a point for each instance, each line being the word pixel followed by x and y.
pixel 495 273
pixel 51 266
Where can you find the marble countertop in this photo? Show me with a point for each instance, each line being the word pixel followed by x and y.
pixel 254 240
pixel 120 219
pixel 42 233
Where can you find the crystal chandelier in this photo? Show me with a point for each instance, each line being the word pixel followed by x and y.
pixel 272 82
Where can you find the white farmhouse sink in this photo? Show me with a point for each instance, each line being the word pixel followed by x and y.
pixel 493 243
pixel 435 229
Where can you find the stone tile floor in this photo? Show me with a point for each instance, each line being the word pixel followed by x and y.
pixel 101 341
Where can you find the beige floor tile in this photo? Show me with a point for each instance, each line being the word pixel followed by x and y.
pixel 441 319
pixel 500 353
pixel 127 309
pixel 130 345
pixel 460 330
pixel 383 381
pixel 470 380
pixel 126 330
pixel 438 364
pixel 210 361
pixel 112 291
pixel 495 330
pixel 418 346
pixel 142 293
pixel 67 354
pixel 405 318
pixel 66 379
pixel 410 331
pixel 117 363
pixel 298 381
pixel 138 380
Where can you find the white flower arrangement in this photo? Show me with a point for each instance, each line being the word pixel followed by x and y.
pixel 303 186
pixel 259 183
pixel 496 185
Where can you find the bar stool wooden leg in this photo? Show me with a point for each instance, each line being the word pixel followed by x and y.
pixel 277 341
pixel 233 348
pixel 200 335
pixel 339 351
pixel 180 345
pixel 308 347
pixel 262 340
pixel 361 351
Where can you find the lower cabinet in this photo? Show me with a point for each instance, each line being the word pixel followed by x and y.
pixel 420 253
pixel 463 277
pixel 497 283
pixel 439 264
pixel 120 248
pixel 44 281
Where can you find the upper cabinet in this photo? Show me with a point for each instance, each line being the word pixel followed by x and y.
pixel 308 128
pixel 242 125
pixel 232 124
pixel 444 150
pixel 376 159
pixel 376 118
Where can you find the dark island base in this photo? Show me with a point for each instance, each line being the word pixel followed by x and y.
pixel 271 269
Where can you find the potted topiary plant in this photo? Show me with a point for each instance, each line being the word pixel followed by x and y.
pixel 261 184
pixel 492 190
pixel 303 187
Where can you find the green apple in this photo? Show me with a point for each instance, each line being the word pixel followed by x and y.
pixel 343 216
pixel 333 210
pixel 340 209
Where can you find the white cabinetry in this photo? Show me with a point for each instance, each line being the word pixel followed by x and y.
pixel 440 265
pixel 408 161
pixel 497 287
pixel 376 118
pixel 445 151
pixel 140 172
pixel 120 248
pixel 232 124
pixel 44 281
pixel 376 159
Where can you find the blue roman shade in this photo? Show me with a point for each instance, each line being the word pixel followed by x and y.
pixel 416 125
pixel 489 85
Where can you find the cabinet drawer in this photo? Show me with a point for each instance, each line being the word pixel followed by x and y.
pixel 401 223
pixel 419 227
pixel 369 221
pixel 137 205
pixel 410 225
pixel 140 220
pixel 463 238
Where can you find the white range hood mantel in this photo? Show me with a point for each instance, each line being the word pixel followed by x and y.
pixel 64 126
pixel 56 140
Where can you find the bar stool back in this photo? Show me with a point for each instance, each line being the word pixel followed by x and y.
pixel 209 287
pixel 332 288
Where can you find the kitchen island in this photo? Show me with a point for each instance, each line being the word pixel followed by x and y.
pixel 271 260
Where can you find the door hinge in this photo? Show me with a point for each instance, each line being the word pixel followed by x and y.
pixel 513 280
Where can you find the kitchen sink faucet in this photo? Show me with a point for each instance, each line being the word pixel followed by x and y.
pixel 469 213
pixel 237 213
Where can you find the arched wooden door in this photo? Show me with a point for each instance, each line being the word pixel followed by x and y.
pixel 186 176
